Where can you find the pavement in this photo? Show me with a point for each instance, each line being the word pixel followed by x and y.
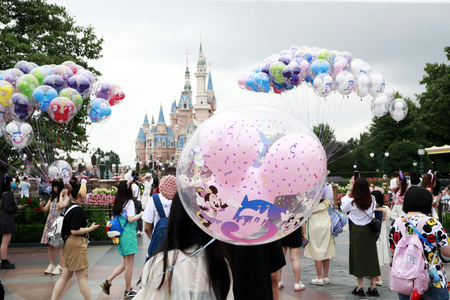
pixel 28 280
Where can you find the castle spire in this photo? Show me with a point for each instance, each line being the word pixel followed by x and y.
pixel 146 118
pixel 161 116
pixel 210 85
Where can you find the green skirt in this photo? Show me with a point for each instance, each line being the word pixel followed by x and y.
pixel 363 259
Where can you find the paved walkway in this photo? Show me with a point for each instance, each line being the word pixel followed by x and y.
pixel 28 280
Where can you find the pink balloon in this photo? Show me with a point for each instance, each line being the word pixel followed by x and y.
pixel 304 65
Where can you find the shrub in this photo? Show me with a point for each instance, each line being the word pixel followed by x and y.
pixel 446 222
pixel 28 233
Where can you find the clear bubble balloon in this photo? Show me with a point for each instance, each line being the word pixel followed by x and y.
pixel 71 65
pixel 3 110
pixel 359 66
pixel 380 105
pixel 251 174
pixel 2 128
pixel 104 90
pixel 398 109
pixel 99 110
pixel 61 110
pixel 6 92
pixel 23 66
pixel 378 83
pixel 21 107
pixel 363 85
pixel 12 75
pixel 345 83
pixel 61 170
pixel 323 85
pixel 40 74
pixel 42 96
pixel 74 96
pixel 64 72
pixel 390 92
pixel 118 96
pixel 81 84
pixel 276 72
pixel 26 84
pixel 54 81
pixel 18 134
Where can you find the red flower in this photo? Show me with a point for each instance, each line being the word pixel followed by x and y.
pixel 29 201
pixel 36 208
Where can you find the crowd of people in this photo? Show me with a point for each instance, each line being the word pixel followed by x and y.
pixel 184 264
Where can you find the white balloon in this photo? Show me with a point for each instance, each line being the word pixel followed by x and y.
pixel 378 83
pixel 363 85
pixel 11 128
pixel 390 93
pixel 26 128
pixel 53 171
pixel 380 105
pixel 398 109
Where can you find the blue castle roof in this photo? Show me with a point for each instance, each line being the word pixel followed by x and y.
pixel 184 99
pixel 174 107
pixel 210 85
pixel 161 116
pixel 141 135
pixel 181 142
pixel 146 120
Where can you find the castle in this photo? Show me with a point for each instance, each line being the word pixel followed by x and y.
pixel 159 145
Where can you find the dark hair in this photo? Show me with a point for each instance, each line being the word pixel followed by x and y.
pixel 155 182
pixel 418 198
pixel 379 198
pixel 414 177
pixel 182 233
pixel 6 183
pixel 170 171
pixel 24 178
pixel 123 196
pixel 60 185
pixel 75 191
pixel 361 194
pixel 403 186
pixel 437 188
pixel 395 174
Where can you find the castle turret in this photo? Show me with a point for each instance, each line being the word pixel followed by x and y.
pixel 202 109
pixel 161 127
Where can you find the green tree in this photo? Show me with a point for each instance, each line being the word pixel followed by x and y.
pixel 401 157
pixel 435 101
pixel 45 33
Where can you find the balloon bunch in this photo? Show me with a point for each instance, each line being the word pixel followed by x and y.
pixel 326 72
pixel 58 90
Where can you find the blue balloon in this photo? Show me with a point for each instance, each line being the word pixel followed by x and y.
pixel 96 103
pixel 43 95
pixel 104 112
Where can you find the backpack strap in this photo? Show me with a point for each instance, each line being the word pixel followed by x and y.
pixel 158 206
pixel 67 211
pixel 419 228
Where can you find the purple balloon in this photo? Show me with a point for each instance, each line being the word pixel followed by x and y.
pixel 24 66
pixel 266 68
pixel 22 107
pixel 79 83
pixel 55 81
pixel 285 60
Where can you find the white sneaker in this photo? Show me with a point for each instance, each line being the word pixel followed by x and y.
pixel 317 281
pixel 57 270
pixel 280 284
pixel 50 269
pixel 299 286
pixel 326 280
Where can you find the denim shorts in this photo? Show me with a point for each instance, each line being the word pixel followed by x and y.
pixel 433 293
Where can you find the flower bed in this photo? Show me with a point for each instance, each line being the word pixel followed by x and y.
pixel 99 199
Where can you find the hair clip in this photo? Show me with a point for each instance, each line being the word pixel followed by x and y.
pixel 400 174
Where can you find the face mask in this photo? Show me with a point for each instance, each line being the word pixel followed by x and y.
pixel 13 184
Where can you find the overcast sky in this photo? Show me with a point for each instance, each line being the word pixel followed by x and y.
pixel 146 41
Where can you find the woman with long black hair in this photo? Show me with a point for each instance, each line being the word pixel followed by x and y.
pixel 124 210
pixel 7 219
pixel 204 276
pixel 360 205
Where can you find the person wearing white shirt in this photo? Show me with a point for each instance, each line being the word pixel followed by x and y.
pixel 360 205
pixel 137 200
pixel 148 182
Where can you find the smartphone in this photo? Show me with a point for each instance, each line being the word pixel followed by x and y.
pixel 356 175
pixel 102 222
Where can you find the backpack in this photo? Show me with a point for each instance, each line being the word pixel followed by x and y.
pixel 113 227
pixel 409 266
pixel 54 236
pixel 160 228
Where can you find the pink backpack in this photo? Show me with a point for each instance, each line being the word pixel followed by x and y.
pixel 409 267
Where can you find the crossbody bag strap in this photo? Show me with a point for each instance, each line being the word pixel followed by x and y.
pixel 158 206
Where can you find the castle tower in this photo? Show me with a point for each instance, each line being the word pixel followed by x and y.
pixel 202 109
pixel 210 94
pixel 161 127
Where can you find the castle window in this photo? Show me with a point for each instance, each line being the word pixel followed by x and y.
pixel 150 145
pixel 164 144
pixel 171 144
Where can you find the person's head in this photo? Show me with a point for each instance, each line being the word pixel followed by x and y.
pixel 73 181
pixel 418 199
pixel 148 176
pixel 79 192
pixel 6 183
pixel 136 179
pixel 414 177
pixel 124 194
pixel 402 183
pixel 361 193
pixel 395 174
pixel 57 187
pixel 379 198
pixel 25 178
pixel 182 233
pixel 170 171
pixel 428 180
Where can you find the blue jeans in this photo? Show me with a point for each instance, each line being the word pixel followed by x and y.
pixel 433 293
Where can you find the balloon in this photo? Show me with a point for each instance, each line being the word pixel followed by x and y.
pixel 276 72
pixel 339 64
pixel 60 169
pixel 378 84
pixel 74 96
pixel 380 105
pixel 61 110
pixel 323 85
pixel 104 90
pixel 251 174
pixel 119 95
pixel 42 96
pixel 26 84
pixel 18 134
pixel 363 85
pixel 261 80
pixel 323 54
pixel 345 82
pixel 1 74
pixel 358 66
pixel 99 110
pixel 320 66
pixel 390 93
pixel 72 66
pixel 40 73
pixel 64 72
pixel 398 109
pixel 6 91
pixel 12 75
pixel 21 107
pixel 3 110
pixel 54 81
pixel 23 66
pixel 81 84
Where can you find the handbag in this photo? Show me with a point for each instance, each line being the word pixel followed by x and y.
pixel 338 221
pixel 374 224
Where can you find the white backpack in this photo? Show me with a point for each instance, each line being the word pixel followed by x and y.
pixel 409 268
pixel 55 235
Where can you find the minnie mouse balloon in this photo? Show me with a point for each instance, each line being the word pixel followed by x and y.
pixel 60 169
pixel 251 174
pixel 104 90
pixel 61 110
pixel 6 91
pixel 42 96
pixel 19 134
pixel 118 96
pixel 99 110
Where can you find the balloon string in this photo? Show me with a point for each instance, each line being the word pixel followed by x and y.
pixel 183 260
pixel 59 135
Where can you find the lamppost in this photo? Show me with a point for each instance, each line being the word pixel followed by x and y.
pixel 415 165
pixel 107 158
pixel 355 166
pixel 379 159
pixel 421 152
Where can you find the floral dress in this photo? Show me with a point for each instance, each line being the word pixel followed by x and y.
pixel 53 213
pixel 435 235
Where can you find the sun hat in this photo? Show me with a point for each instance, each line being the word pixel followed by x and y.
pixel 147 175
pixel 168 186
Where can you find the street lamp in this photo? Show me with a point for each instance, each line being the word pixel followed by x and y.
pixel 355 166
pixel 114 170
pixel 421 152
pixel 415 165
pixel 379 159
